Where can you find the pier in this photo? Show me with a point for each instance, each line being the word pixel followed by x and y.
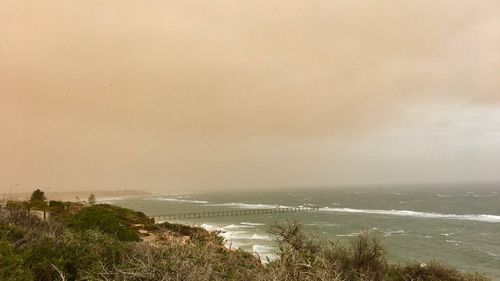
pixel 226 213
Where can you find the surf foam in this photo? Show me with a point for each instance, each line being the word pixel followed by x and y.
pixel 245 205
pixel 179 200
pixel 406 213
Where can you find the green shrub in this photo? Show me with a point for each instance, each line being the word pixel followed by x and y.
pixel 107 219
pixel 197 234
pixel 12 267
pixel 431 272
pixel 299 254
pixel 368 258
pixel 57 208
pixel 193 261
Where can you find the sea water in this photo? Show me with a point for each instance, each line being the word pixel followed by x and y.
pixel 457 225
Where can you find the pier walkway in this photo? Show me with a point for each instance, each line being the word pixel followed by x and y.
pixel 242 212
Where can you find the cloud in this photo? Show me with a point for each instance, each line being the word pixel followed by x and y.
pixel 257 68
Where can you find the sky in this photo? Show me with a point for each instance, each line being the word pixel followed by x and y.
pixel 172 96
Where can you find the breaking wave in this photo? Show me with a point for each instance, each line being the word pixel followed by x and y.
pixel 252 223
pixel 178 200
pixel 245 205
pixel 406 213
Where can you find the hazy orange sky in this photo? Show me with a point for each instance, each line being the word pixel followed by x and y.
pixel 197 95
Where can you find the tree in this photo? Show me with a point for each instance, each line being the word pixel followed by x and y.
pixel 38 196
pixel 38 199
pixel 92 199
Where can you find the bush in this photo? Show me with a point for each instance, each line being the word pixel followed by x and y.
pixel 108 219
pixel 301 257
pixel 197 234
pixel 193 261
pixel 57 208
pixel 431 272
pixel 368 258
pixel 299 254
pixel 37 254
pixel 11 264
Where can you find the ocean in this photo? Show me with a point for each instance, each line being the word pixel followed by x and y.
pixel 457 225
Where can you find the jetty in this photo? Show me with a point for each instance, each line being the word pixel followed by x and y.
pixel 226 213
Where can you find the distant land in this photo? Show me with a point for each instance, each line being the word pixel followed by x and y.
pixel 81 195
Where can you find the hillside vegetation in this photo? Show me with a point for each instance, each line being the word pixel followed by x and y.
pixel 103 242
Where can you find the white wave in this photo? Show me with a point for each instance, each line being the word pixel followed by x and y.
pixel 235 235
pixel 245 205
pixel 244 235
pixel 236 232
pixel 389 233
pixel 252 223
pixel 256 236
pixel 352 234
pixel 265 253
pixel 209 227
pixel 323 224
pixel 261 248
pixel 234 239
pixel 233 245
pixel 235 226
pixel 406 213
pixel 178 200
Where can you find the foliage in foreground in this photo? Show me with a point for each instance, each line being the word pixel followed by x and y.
pixel 108 219
pixel 76 247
